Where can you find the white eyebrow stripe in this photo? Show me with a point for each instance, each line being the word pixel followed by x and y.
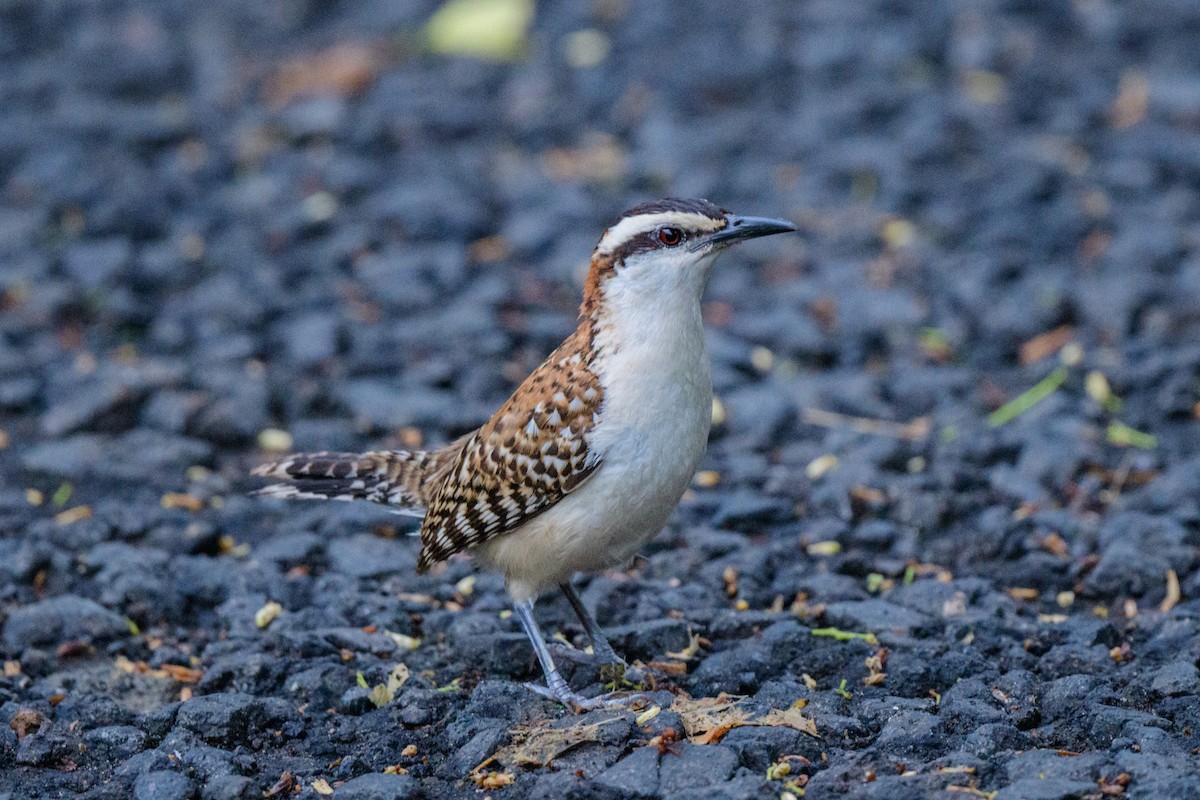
pixel 629 227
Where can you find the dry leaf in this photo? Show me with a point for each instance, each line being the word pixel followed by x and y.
pixel 182 674
pixel 344 69
pixel 790 718
pixel 669 667
pixel 383 693
pixel 26 721
pixel 73 515
pixel 181 500
pixel 491 29
pixel 689 652
pixel 1045 344
pixel 539 745
pixel 321 786
pixel 283 786
pixel 708 719
pixel 492 780
pixel 267 614
pixel 1173 594
pixel 403 641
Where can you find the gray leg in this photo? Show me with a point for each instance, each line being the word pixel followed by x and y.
pixel 555 682
pixel 556 686
pixel 600 645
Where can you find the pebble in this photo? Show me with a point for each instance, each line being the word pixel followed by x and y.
pixel 61 619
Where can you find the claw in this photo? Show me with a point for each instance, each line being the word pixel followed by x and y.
pixel 579 704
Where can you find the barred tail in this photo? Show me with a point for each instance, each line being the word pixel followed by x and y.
pixel 393 477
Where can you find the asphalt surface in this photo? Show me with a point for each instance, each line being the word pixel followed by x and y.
pixel 950 512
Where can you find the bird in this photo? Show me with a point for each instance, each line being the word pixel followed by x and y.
pixel 587 459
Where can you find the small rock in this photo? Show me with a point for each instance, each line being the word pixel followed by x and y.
pixel 876 616
pixel 229 787
pixel 367 556
pixel 377 786
pixel 636 775
pixel 217 717
pixel 60 619
pixel 1045 789
pixel 696 767
pixel 93 263
pixel 162 785
pixel 115 743
pixel 750 511
pixel 1177 678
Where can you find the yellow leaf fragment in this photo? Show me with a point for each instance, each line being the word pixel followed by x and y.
pixel 1173 594
pixel 492 780
pixel 689 652
pixel 182 500
pixel 718 411
pixel 827 548
pixel 487 29
pixel 788 718
pixel 404 641
pixel 821 465
pixel 274 440
pixel 72 515
pixel 647 715
pixel 321 786
pixel 267 614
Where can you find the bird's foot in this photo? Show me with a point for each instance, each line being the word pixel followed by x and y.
pixel 579 704
pixel 615 672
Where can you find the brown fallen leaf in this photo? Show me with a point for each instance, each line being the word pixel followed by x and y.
pixel 1045 344
pixel 182 674
pixel 343 69
pixel 284 786
pixel 1173 594
pixel 26 721
pixel 700 717
pixel 788 718
pixel 539 745
pixel 492 780
pixel 669 667
pixel 181 500
pixel 706 720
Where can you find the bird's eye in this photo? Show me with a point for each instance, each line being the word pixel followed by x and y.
pixel 670 236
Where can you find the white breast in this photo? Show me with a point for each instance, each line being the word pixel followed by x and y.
pixel 651 433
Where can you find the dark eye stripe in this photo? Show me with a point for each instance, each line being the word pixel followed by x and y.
pixel 641 243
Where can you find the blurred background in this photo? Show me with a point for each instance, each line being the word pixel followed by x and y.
pixel 222 218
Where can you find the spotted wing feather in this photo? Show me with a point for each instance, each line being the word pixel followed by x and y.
pixel 530 455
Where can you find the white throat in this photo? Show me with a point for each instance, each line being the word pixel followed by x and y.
pixel 654 366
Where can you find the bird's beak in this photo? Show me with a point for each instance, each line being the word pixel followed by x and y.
pixel 742 228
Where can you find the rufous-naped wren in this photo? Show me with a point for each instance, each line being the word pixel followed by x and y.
pixel 586 460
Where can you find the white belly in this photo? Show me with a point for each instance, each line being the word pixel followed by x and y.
pixel 651 434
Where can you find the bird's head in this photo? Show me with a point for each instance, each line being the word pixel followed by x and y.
pixel 669 246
